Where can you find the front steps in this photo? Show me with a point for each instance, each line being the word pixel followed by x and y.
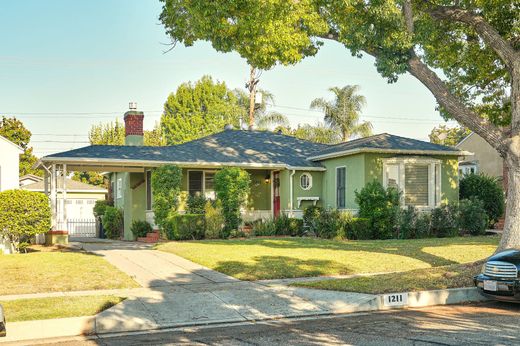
pixel 152 237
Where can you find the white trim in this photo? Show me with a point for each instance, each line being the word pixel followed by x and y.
pixel 301 199
pixel 302 168
pixel 464 139
pixel 387 151
pixel 309 176
pixel 203 191
pixel 20 149
pixel 336 187
pixel 291 190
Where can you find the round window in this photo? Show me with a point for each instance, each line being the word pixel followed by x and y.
pixel 306 181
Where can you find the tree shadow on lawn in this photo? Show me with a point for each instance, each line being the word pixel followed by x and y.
pixel 275 267
pixel 412 248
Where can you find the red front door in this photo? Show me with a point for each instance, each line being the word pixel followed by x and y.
pixel 276 194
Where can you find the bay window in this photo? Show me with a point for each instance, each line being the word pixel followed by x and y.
pixel 418 179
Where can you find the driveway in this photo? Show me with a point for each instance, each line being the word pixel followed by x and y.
pixel 177 292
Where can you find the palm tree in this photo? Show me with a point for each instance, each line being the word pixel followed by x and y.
pixel 263 119
pixel 343 113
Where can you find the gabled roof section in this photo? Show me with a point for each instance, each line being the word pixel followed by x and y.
pixel 14 145
pixel 385 143
pixel 254 149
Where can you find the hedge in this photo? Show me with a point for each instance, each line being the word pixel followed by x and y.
pixel 185 227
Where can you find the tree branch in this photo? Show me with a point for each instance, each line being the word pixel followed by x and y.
pixel 491 37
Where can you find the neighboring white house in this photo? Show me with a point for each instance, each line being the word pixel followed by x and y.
pixel 29 179
pixel 485 158
pixel 9 164
pixel 80 200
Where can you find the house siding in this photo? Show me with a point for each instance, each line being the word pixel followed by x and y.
pixel 285 190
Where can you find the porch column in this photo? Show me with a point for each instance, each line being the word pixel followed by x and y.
pixel 53 196
pixel 64 197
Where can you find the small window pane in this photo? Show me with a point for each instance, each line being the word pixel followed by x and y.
pixel 210 182
pixel 392 176
pixel 195 183
pixel 305 181
pixel 340 187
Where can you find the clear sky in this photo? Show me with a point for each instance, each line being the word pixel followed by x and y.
pixel 65 65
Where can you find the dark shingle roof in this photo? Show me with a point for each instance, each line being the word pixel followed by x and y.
pixel 227 147
pixel 385 141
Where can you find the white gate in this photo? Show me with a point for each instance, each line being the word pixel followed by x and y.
pixel 82 228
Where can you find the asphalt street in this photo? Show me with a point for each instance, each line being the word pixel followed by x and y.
pixel 487 323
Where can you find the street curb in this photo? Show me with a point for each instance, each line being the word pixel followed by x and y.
pixel 82 326
pixel 436 297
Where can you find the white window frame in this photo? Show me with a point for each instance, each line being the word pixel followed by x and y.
pixel 434 170
pixel 336 186
pixel 203 180
pixel 466 169
pixel 309 176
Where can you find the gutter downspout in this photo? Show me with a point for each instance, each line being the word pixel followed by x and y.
pixel 291 192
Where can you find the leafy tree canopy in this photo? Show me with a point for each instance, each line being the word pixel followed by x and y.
pixel 15 131
pixel 199 109
pixel 450 136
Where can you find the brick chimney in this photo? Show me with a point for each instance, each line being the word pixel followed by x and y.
pixel 134 126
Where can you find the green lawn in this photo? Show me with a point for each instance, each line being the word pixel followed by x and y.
pixel 273 258
pixel 56 307
pixel 58 271
pixel 451 276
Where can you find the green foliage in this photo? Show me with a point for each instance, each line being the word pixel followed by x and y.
pixel 166 185
pixel 232 186
pixel 332 224
pixel 358 229
pixel 140 228
pixel 100 207
pixel 214 220
pixel 444 221
pixel 311 216
pixel 285 225
pixel 197 110
pixel 263 118
pixel 112 222
pixel 488 190
pixel 472 217
pixel 23 214
pixel 343 113
pixel 92 178
pixel 264 228
pixel 319 133
pixel 413 224
pixel 196 204
pixel 448 136
pixel 15 131
pixel 381 207
pixel 110 133
pixel 185 227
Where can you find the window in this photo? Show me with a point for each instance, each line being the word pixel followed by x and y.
pixel 201 182
pixel 148 190
pixel 119 188
pixel 341 175
pixel 305 181
pixel 467 169
pixel 418 179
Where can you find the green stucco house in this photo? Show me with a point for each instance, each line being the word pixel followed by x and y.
pixel 287 174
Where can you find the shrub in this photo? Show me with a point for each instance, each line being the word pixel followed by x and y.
pixel 472 217
pixel 166 184
pixel 332 224
pixel 140 228
pixel 295 226
pixel 265 227
pixel 214 220
pixel 285 225
pixel 381 207
pixel 444 221
pixel 23 214
pixel 311 216
pixel 407 223
pixel 112 222
pixel 358 229
pixel 185 227
pixel 100 206
pixel 196 204
pixel 232 186
pixel 423 225
pixel 488 190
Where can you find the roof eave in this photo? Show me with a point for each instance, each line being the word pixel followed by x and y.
pixel 388 151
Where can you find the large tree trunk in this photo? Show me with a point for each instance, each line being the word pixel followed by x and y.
pixel 511 236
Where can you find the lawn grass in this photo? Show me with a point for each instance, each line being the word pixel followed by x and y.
pixel 451 276
pixel 275 258
pixel 56 307
pixel 53 271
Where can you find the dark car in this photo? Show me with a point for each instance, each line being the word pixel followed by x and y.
pixel 499 277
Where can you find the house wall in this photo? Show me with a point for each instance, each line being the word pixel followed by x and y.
pixel 298 191
pixel 355 176
pixel 485 156
pixel 449 173
pixel 9 165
